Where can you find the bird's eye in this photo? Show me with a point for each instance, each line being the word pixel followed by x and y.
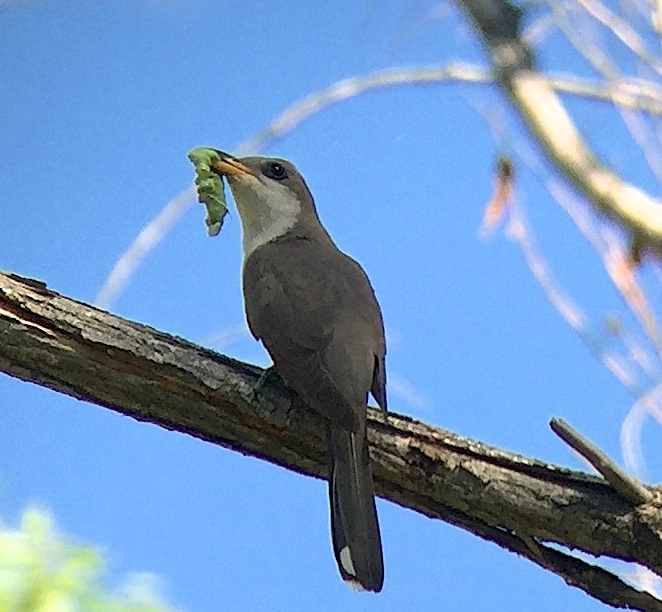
pixel 276 171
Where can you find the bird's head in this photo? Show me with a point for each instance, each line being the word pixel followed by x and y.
pixel 271 196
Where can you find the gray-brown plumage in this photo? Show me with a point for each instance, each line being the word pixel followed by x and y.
pixel 315 311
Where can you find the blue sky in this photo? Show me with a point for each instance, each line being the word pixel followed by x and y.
pixel 100 103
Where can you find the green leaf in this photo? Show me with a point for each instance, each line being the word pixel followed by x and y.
pixel 40 571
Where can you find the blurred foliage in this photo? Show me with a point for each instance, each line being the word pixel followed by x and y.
pixel 41 572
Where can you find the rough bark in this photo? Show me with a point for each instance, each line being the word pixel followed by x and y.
pixel 519 503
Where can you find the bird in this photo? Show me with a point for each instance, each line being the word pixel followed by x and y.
pixel 315 311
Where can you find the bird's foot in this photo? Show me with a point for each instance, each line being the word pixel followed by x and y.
pixel 269 377
pixel 384 415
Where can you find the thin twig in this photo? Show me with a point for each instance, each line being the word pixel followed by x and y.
pixel 143 244
pixel 579 40
pixel 635 94
pixel 354 86
pixel 628 486
pixel 621 30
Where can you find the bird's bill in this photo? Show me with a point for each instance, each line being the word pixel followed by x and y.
pixel 228 165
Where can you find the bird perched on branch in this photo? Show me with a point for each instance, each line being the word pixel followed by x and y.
pixel 316 313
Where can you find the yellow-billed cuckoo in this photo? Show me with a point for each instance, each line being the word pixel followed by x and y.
pixel 315 311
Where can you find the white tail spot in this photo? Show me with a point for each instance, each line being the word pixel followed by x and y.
pixel 357 586
pixel 346 560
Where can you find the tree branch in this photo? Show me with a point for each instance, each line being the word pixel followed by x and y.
pixel 516 502
pixel 539 106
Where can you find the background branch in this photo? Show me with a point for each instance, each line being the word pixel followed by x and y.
pixel 549 123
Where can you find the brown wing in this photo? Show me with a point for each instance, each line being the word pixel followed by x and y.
pixel 315 311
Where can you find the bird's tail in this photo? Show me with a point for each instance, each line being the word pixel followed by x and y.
pixel 354 527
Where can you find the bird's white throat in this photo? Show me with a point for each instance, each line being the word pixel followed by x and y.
pixel 267 211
